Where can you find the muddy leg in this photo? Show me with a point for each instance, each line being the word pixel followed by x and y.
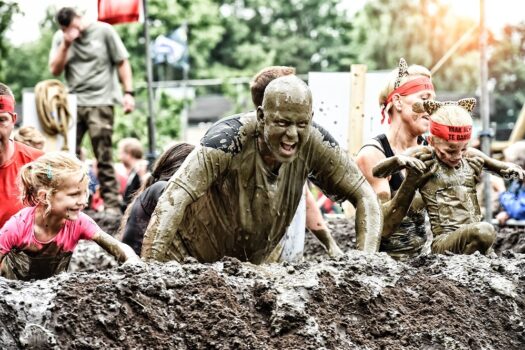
pixel 466 240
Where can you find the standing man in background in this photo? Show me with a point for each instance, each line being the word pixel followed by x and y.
pixel 93 58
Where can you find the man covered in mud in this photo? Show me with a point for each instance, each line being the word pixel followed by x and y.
pixel 237 192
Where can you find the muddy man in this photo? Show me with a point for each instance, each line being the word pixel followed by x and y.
pixel 449 172
pixel 237 192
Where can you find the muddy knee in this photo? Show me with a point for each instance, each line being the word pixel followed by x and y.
pixel 484 235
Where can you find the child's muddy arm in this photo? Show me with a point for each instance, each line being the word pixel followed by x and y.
pixel 505 170
pixel 165 221
pixel 121 251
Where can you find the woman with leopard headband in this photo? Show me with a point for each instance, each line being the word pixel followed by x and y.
pixel 403 232
pixel 449 192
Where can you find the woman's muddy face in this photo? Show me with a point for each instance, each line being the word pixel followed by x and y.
pixel 448 152
pixel 417 122
pixel 286 129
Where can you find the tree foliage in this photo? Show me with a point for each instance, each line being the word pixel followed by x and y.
pixel 231 38
pixel 7 11
pixel 420 31
pixel 507 71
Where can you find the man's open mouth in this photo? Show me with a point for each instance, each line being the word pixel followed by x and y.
pixel 288 148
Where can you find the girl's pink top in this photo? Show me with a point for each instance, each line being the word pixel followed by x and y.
pixel 18 232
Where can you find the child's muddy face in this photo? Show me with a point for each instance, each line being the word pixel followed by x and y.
pixel 448 152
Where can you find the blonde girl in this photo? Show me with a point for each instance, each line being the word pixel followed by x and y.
pixel 39 240
pixel 449 189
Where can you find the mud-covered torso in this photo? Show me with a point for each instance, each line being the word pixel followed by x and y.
pixel 242 208
pixel 450 198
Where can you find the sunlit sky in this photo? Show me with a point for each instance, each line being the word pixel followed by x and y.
pixel 25 26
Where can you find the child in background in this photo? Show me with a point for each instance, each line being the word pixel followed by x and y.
pixel 449 189
pixel 39 240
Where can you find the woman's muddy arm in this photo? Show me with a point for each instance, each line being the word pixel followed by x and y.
pixel 121 251
pixel 165 221
pixel 316 224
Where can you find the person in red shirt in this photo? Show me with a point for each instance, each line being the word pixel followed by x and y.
pixel 13 155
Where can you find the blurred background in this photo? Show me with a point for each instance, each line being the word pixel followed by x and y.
pixel 204 52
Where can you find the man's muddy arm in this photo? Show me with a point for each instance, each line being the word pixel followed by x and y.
pixel 368 218
pixel 121 251
pixel 165 221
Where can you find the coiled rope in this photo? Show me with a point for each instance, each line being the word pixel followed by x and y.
pixel 52 109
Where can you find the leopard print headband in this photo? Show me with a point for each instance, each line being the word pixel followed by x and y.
pixel 432 106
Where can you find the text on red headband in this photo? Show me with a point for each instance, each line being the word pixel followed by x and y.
pixel 451 133
pixel 7 104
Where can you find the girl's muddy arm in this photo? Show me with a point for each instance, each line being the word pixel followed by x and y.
pixel 505 170
pixel 121 251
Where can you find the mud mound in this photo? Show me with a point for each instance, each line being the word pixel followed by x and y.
pixel 358 301
pixel 343 230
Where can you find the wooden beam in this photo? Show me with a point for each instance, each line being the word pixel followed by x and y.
pixel 518 132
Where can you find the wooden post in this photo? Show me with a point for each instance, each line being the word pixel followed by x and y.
pixel 519 128
pixel 357 108
pixel 355 122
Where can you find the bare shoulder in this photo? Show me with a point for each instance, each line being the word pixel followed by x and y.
pixel 369 155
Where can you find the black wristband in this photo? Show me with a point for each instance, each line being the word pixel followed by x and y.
pixel 132 93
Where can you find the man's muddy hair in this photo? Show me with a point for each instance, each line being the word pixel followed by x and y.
pixel 263 78
pixel 65 16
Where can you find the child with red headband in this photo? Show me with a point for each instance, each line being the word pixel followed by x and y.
pixel 449 191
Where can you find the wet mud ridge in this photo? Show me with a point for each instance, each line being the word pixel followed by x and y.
pixel 354 302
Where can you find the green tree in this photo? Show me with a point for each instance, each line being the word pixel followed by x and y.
pixel 420 31
pixel 7 10
pixel 507 70
pixel 28 63
pixel 309 35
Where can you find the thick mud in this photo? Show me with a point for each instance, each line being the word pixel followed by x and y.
pixel 357 301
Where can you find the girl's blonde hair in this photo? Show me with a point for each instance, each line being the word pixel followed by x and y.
pixel 395 80
pixel 48 173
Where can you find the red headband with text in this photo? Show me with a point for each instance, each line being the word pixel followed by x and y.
pixel 408 88
pixel 451 133
pixel 7 104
